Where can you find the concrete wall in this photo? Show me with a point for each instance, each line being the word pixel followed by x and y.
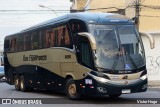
pixel 152 57
pixel 150 18
pixel 78 4
pixel 107 3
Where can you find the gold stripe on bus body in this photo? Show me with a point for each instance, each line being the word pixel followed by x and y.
pixel 60 61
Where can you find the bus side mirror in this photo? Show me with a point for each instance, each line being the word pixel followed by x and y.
pixel 151 39
pixel 90 38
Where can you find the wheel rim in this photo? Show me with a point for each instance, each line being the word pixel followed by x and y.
pixel 16 82
pixel 22 85
pixel 72 90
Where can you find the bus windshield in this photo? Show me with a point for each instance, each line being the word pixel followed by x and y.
pixel 118 47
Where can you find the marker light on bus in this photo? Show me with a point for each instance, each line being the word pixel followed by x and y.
pixel 143 77
pixel 100 79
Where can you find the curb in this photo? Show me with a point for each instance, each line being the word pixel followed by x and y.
pixel 155 83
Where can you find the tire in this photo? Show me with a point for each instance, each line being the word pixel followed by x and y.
pixel 115 95
pixel 71 90
pixel 22 84
pixel 17 82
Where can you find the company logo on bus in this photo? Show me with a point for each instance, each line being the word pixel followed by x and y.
pixel 126 83
pixel 125 77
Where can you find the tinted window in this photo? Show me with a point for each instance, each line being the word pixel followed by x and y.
pixel 50 36
pixel 42 41
pixel 13 44
pixel 57 36
pixel 6 45
pixel 35 40
pixel 63 36
pixel 27 42
pixel 20 43
pixel 77 26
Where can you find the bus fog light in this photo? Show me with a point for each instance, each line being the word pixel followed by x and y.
pixel 144 87
pixel 101 90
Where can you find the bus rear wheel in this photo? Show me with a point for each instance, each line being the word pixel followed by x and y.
pixel 22 84
pixel 71 90
pixel 17 83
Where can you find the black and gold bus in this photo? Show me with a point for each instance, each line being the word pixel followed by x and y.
pixel 79 54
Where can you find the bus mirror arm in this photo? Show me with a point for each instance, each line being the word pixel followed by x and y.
pixel 151 39
pixel 90 38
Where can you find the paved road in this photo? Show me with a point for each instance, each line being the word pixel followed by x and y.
pixel 60 99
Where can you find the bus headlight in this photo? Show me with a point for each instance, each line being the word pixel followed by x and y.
pixel 100 79
pixel 143 77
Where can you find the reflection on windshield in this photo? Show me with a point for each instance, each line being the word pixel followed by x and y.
pixel 128 39
pixel 106 43
pixel 118 47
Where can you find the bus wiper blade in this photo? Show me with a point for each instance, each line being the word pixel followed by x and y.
pixel 131 59
pixel 103 68
pixel 115 63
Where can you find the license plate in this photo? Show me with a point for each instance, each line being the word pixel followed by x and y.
pixel 125 91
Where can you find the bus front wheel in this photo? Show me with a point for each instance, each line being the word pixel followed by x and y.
pixel 71 90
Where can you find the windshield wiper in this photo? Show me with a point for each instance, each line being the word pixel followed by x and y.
pixel 115 63
pixel 103 68
pixel 131 59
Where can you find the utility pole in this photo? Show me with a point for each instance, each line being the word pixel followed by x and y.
pixel 137 14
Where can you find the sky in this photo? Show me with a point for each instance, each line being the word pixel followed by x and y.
pixel 13 19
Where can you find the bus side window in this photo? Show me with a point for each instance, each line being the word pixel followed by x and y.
pixel 42 41
pixel 66 37
pixel 86 52
pixel 60 36
pixel 6 45
pixel 27 42
pixel 13 44
pixel 63 36
pixel 35 40
pixel 50 38
pixel 56 36
pixel 77 26
pixel 20 43
pixel 47 38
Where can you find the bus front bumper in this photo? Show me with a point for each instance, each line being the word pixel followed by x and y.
pixel 114 88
